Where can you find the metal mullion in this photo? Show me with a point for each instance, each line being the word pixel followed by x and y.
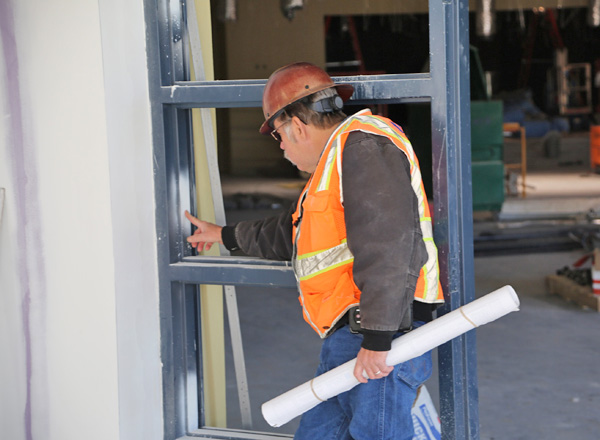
pixel 184 356
pixel 233 275
pixel 389 89
pixel 233 434
pixel 181 297
pixel 174 355
pixel 169 330
pixel 178 425
pixel 193 359
pixel 248 93
pixel 176 29
pixel 158 27
pixel 450 108
pixel 186 181
pixel 176 179
pixel 202 259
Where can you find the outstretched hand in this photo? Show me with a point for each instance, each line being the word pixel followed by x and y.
pixel 205 235
pixel 371 363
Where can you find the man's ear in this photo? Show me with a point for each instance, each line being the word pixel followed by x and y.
pixel 299 128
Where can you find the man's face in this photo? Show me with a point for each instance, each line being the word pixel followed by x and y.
pixel 293 150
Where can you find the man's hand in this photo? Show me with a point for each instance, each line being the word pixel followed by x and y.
pixel 205 235
pixel 372 363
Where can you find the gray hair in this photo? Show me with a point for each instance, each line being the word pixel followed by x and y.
pixel 302 109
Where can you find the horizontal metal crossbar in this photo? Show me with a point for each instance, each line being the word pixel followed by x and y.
pixel 232 434
pixel 232 271
pixel 248 93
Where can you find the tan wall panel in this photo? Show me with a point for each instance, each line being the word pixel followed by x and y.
pixel 250 151
pixel 262 39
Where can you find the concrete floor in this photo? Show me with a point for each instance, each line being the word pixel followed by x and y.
pixel 537 368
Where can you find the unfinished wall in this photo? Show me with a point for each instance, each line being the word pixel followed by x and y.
pixel 78 302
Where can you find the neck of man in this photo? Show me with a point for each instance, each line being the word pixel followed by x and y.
pixel 320 136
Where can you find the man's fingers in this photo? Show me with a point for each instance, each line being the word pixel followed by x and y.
pixel 196 238
pixel 193 219
pixel 377 373
pixel 371 364
pixel 386 369
pixel 383 372
pixel 358 373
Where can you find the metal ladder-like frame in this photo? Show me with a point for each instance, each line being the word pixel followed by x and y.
pixel 446 86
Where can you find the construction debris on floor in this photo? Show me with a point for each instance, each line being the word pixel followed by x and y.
pixel 578 283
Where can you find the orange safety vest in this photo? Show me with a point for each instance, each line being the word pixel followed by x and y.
pixel 322 260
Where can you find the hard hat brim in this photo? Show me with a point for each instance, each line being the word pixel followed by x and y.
pixel 344 90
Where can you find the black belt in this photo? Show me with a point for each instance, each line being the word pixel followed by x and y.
pixel 421 312
pixel 344 320
pixel 351 318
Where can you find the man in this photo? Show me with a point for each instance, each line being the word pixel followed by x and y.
pixel 360 239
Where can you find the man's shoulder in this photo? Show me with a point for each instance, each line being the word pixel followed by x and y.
pixel 360 136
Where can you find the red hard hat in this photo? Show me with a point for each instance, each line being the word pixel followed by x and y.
pixel 292 83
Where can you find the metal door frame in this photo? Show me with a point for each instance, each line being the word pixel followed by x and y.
pixel 446 86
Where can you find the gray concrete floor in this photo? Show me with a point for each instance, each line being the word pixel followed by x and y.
pixel 537 368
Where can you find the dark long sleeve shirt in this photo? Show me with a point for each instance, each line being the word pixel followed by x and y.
pixel 383 233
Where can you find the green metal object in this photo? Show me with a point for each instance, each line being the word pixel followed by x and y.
pixel 487 146
pixel 486 130
pixel 488 185
pixel 487 155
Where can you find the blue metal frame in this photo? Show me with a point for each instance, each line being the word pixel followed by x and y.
pixel 451 140
pixel 171 94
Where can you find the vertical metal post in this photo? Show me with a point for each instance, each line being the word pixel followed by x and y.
pixel 451 140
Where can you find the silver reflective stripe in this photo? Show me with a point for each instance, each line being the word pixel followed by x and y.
pixel 316 263
pixel 295 265
pixel 431 268
pixel 327 169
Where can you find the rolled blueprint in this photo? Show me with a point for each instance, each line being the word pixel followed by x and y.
pixel 287 406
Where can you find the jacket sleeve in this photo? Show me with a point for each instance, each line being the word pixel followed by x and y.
pixel 269 238
pixel 383 233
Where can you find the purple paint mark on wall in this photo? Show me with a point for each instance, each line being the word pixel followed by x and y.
pixel 30 265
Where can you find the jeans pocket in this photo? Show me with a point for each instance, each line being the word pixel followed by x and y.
pixel 415 371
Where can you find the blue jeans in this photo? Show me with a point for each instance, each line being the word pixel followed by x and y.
pixel 377 410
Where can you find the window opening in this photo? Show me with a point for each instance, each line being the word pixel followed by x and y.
pixel 173 95
pixel 377 44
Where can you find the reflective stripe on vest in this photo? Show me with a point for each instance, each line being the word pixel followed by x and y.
pixel 364 121
pixel 315 263
pixel 322 260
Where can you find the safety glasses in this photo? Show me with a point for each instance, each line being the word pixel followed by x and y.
pixel 276 134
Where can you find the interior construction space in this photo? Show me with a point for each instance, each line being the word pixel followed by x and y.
pixel 119 116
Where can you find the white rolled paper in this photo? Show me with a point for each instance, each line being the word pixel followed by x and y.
pixel 287 406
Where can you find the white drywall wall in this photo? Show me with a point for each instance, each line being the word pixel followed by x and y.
pixel 78 289
pixel 131 163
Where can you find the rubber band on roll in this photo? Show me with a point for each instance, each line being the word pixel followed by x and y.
pixel 313 390
pixel 467 318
